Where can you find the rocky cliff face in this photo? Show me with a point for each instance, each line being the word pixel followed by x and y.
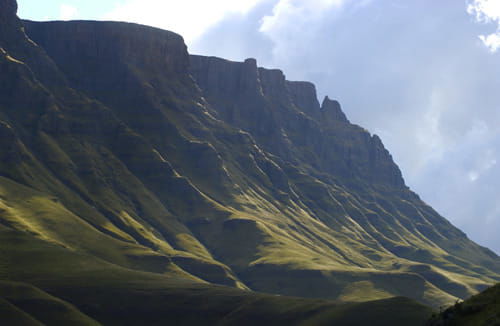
pixel 304 96
pixel 8 10
pixel 332 112
pixel 286 119
pixel 118 145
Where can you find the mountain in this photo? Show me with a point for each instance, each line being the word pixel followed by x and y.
pixel 482 309
pixel 136 181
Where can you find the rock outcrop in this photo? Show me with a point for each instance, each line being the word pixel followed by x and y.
pixel 332 112
pixel 304 97
pixel 285 117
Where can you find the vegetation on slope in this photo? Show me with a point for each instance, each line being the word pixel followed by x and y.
pixel 129 167
pixel 111 295
pixel 22 304
pixel 482 309
pixel 275 205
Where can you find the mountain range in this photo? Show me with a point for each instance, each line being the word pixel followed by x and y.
pixel 139 183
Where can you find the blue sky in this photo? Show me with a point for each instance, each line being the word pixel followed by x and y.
pixel 422 74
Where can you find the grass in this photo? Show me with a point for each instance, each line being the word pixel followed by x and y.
pixel 11 315
pixel 482 309
pixel 24 304
pixel 84 289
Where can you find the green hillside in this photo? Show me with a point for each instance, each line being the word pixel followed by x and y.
pixel 251 174
pixel 136 181
pixel 112 295
pixel 482 309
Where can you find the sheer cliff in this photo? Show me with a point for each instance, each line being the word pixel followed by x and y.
pixel 123 155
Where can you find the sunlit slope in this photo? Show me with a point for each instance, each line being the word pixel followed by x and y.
pixel 288 194
pixel 57 189
pixel 88 291
pixel 118 146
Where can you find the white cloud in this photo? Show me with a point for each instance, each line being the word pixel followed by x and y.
pixel 67 12
pixel 295 23
pixel 190 18
pixel 492 41
pixel 299 11
pixel 487 11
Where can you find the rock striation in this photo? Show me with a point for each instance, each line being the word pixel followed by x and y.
pixel 285 117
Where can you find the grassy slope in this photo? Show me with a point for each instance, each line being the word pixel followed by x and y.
pixel 73 204
pixel 228 307
pixel 156 173
pixel 105 216
pixel 376 223
pixel 27 305
pixel 15 316
pixel 152 181
pixel 482 309
pixel 114 295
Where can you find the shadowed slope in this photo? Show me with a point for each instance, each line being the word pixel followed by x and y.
pixel 287 193
pixel 22 304
pixel 113 295
pixel 119 148
pixel 482 309
pixel 293 199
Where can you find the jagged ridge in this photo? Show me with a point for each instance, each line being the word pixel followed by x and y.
pixel 123 147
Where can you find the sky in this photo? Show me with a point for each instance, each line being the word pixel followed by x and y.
pixel 422 74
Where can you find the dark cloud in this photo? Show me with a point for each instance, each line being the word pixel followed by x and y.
pixel 414 72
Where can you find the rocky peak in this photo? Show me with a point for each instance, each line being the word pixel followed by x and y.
pixel 331 111
pixel 251 62
pixel 261 101
pixel 9 23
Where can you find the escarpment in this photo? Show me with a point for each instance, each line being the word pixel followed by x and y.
pixel 287 120
pixel 124 152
